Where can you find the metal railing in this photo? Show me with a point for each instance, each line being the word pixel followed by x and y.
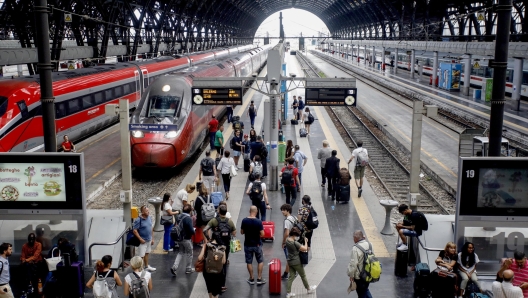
pixel 428 248
pixel 121 237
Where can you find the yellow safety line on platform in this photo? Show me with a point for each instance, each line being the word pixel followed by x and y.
pixel 422 149
pixel 369 227
pixel 103 169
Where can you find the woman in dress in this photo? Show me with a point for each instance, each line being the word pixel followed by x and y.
pixel 168 244
pixel 305 120
pixel 294 261
pixel 102 269
pixel 214 282
pixel 137 271
pixel 467 265
pixel 224 167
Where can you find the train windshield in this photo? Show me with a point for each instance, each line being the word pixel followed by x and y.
pixel 3 105
pixel 163 106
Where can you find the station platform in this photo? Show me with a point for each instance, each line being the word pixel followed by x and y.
pixel 519 119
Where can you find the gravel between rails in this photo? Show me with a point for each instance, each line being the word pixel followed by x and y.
pixel 446 200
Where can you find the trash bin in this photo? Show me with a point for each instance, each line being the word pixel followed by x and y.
pixel 477 93
pixel 282 152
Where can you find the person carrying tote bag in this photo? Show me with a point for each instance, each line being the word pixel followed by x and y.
pixel 167 220
pixel 225 168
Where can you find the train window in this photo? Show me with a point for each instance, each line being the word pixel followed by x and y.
pixel 23 108
pixel 87 101
pixel 74 105
pixel 163 106
pixel 509 75
pixel 60 110
pixel 118 91
pixel 98 97
pixel 109 94
pixel 3 105
pixel 126 89
pixel 488 72
pixel 145 82
pixel 525 78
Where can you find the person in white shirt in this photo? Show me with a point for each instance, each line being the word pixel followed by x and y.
pixel 467 265
pixel 181 197
pixel 224 166
pixel 166 204
pixel 137 269
pixel 359 171
pixel 506 289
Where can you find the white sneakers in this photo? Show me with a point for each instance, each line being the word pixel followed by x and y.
pixel 151 269
pixel 312 289
pixel 288 295
pixel 402 247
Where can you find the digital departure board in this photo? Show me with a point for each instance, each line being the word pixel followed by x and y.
pixel 217 96
pixel 41 180
pixel 331 96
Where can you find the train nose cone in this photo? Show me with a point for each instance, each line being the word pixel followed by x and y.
pixel 154 155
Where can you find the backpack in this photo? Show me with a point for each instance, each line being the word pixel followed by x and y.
pixel 222 232
pixel 208 209
pixel 263 151
pixel 138 285
pixel 100 286
pixel 237 125
pixel 363 159
pixel 252 110
pixel 178 231
pixel 257 169
pixel 424 225
pixel 301 104
pixel 213 260
pixel 232 143
pixel 255 194
pixel 311 221
pixel 371 271
pixel 287 176
pixel 207 166
pixel 311 118
pixel 297 224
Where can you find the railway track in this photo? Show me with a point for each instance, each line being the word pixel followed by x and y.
pixel 392 174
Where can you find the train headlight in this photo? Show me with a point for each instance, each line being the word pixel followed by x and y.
pixel 137 134
pixel 172 134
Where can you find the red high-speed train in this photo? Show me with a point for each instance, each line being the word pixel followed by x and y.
pixel 168 101
pixel 80 96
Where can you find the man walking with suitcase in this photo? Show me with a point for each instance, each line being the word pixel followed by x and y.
pixel 323 154
pixel 332 172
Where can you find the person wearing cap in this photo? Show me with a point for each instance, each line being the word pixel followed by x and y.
pixel 213 127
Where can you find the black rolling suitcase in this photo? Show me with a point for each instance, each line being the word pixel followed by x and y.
pixel 294 122
pixel 71 279
pixel 400 264
pixel 247 164
pixel 422 280
pixel 303 133
pixel 444 283
pixel 343 193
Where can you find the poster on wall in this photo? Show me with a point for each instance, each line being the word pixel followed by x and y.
pixel 503 188
pixel 32 182
pixel 450 76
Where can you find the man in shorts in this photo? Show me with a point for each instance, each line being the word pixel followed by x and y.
pixel 253 229
pixel 359 170
pixel 144 229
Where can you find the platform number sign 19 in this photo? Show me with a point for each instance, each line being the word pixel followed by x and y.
pixel 511 242
pixel 470 174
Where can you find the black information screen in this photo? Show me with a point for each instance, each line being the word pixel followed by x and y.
pixel 331 96
pixel 494 187
pixel 217 96
pixel 41 181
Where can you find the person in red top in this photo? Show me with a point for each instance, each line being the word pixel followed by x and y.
pixel 68 145
pixel 213 127
pixel 290 188
pixel 518 265
pixel 30 258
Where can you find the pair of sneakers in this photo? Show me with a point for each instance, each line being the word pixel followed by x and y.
pixel 360 190
pixel 188 271
pixel 311 290
pixel 401 247
pixel 259 281
pixel 150 268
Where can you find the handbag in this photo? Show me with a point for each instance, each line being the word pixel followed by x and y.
pixel 235 245
pixel 131 237
pixel 232 171
pixel 167 220
pixel 199 265
pixel 303 255
pixel 53 261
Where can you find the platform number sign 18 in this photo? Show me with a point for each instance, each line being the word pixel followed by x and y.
pixel 73 169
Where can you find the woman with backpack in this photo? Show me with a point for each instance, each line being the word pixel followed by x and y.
pixel 213 281
pixel 302 217
pixel 139 281
pixel 294 261
pixel 166 204
pixel 224 166
pixel 307 119
pixel 104 276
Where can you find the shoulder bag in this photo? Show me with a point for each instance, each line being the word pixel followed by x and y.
pixel 233 170
pixel 53 261
pixel 167 220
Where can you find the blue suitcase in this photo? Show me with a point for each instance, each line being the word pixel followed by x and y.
pixel 71 279
pixel 422 283
pixel 217 197
pixel 478 295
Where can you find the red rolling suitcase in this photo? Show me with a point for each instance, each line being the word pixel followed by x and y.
pixel 269 230
pixel 198 236
pixel 275 276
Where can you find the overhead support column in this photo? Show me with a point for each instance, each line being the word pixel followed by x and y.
pixel 517 82
pixel 275 60
pixel 435 68
pixel 374 57
pixel 383 59
pixel 467 75
pixel 504 13
pixel 395 68
pixel 413 62
pixel 365 55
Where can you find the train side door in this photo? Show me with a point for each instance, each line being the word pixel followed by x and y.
pixel 137 80
pixel 145 78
